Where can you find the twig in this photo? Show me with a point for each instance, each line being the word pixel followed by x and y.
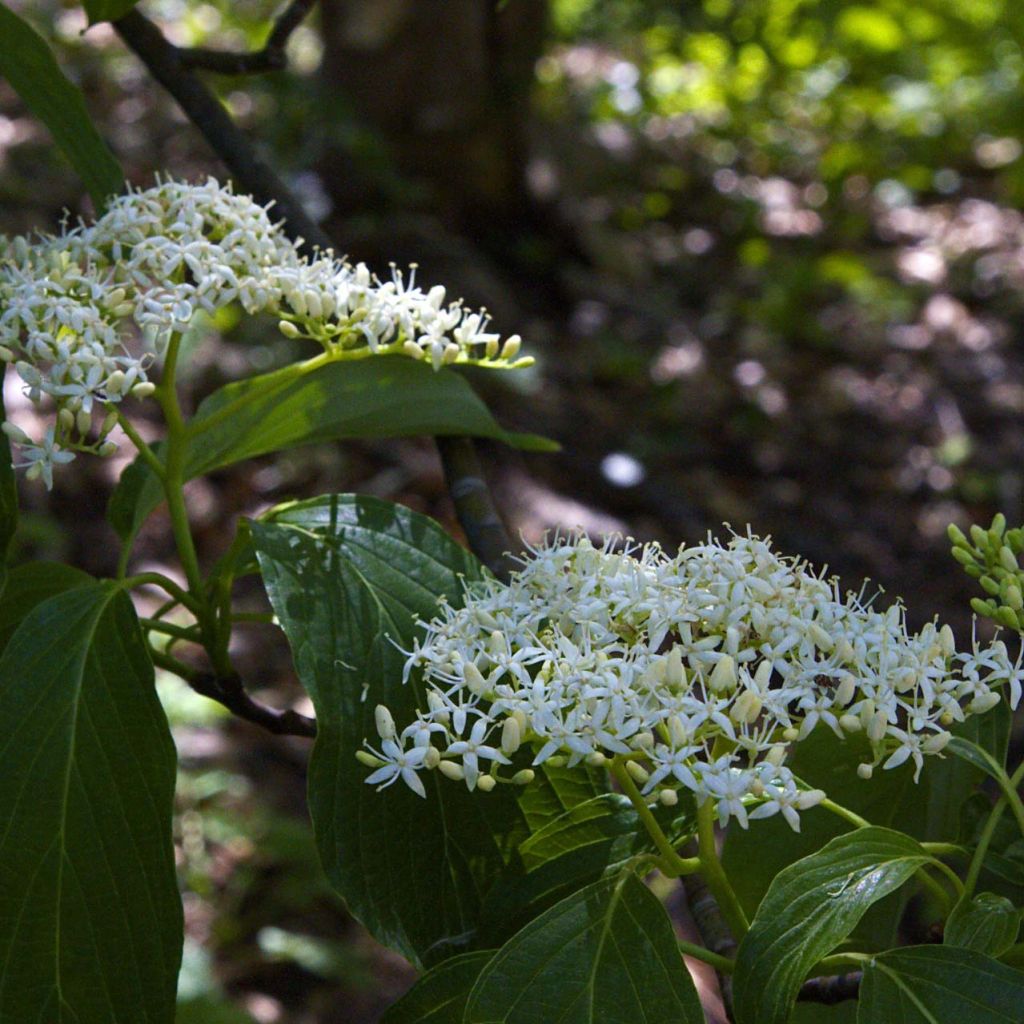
pixel 229 691
pixel 207 113
pixel 711 925
pixel 474 505
pixel 831 989
pixel 271 58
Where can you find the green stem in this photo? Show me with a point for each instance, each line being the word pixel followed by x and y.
pixel 944 849
pixel 673 865
pixel 845 813
pixel 174 472
pixel 720 963
pixel 159 580
pixel 166 662
pixel 712 872
pixel 1009 785
pixel 989 830
pixel 147 454
pixel 169 629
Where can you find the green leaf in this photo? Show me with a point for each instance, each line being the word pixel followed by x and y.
pixel 305 403
pixel 988 924
pixel 91 926
pixel 107 10
pixel 927 810
pixel 975 755
pixel 347 577
pixel 574 850
pixel 593 821
pixel 809 909
pixel 605 955
pixel 28 64
pixel 31 584
pixel 439 997
pixel 937 985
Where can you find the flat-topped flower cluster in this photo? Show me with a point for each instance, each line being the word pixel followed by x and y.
pixel 85 313
pixel 697 672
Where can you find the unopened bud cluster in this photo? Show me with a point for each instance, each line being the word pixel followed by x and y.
pixel 991 557
pixel 698 672
pixel 86 312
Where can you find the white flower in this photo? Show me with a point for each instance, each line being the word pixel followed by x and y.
pixel 624 651
pixel 84 313
pixel 401 764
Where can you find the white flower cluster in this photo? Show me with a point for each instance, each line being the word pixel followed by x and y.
pixel 74 306
pixel 697 672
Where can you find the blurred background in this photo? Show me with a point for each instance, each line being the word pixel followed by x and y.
pixel 769 256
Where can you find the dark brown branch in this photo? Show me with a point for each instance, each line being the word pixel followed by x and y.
pixel 271 58
pixel 711 925
pixel 229 691
pixel 474 506
pixel 207 113
pixel 831 989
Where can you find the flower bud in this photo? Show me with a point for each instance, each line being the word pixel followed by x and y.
pixel 1008 559
pixel 524 777
pixel 850 723
pixel 66 419
pixel 106 449
pixel 385 723
pixel 115 382
pixel 1014 598
pixel 876 726
pixel 675 674
pixel 677 731
pixel 596 759
pixel 432 758
pixel 474 679
pixel 451 770
pixel 810 798
pixel 644 740
pixel 451 353
pixel 845 691
pixel 980 607
pixel 947 640
pixel 288 329
pixel 510 736
pixel 637 772
pixel 980 537
pixel 511 347
pixel 6 354
pixel 668 798
pixel 936 743
pixel 776 755
pixel 983 702
pixel 745 708
pixel 963 556
pixel 486 783
pixel 865 771
pixel 789 734
pixel 820 638
pixel 143 390
pixel 15 433
pixel 956 536
pixel 723 675
pixel 83 420
pixel 364 757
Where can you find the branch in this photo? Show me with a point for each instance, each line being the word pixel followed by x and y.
pixel 207 113
pixel 711 925
pixel 474 506
pixel 229 691
pixel 832 989
pixel 270 58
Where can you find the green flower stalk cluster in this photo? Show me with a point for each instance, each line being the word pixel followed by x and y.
pixel 991 557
